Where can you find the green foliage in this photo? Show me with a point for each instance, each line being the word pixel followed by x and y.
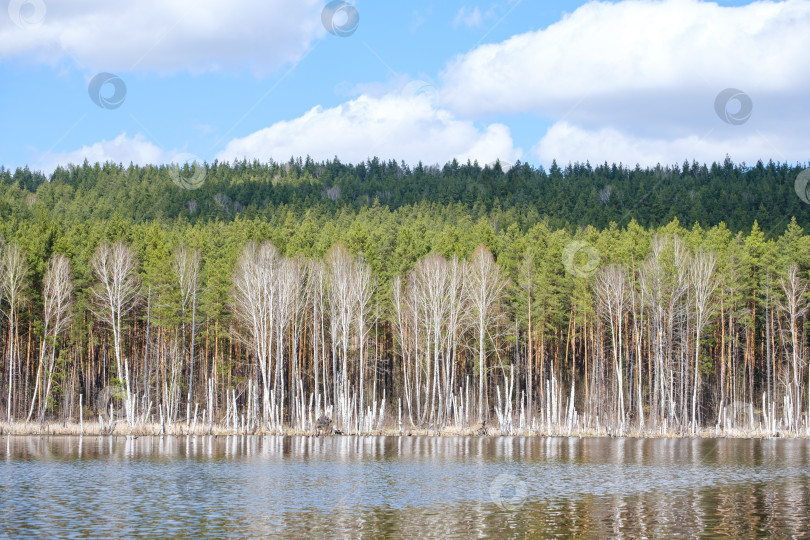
pixel 393 215
pixel 578 195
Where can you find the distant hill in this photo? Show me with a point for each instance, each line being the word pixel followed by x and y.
pixel 576 195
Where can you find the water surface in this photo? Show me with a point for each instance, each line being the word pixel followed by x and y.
pixel 401 486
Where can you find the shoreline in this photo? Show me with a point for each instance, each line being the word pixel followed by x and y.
pixel 34 429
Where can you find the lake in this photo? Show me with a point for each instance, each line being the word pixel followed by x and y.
pixel 401 486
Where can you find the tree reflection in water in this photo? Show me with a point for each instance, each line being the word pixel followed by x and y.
pixel 401 486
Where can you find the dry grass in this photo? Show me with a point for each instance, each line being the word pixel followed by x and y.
pixel 179 429
pixel 94 428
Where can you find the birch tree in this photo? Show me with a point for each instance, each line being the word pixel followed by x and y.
pixel 286 289
pixel 316 286
pixel 403 337
pixel 299 268
pixel 429 287
pixel 611 294
pixel 14 272
pixel 341 312
pixel 254 298
pixel 362 290
pixel 703 283
pixel 350 289
pixel 484 285
pixel 662 292
pixel 187 270
pixel 794 306
pixel 114 296
pixel 457 313
pixel 57 292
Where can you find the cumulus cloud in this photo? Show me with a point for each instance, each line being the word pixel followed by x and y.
pixel 615 53
pixel 641 76
pixel 400 125
pixel 122 149
pixel 162 35
pixel 569 144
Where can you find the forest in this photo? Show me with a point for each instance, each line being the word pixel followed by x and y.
pixel 575 196
pixel 501 299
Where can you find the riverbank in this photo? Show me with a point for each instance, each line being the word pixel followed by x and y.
pixel 181 429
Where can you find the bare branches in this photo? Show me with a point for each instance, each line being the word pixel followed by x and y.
pixel 664 281
pixel 116 291
pixel 187 264
pixel 483 288
pixel 612 299
pixel 57 301
pixel 14 272
pixel 703 284
pixel 350 289
pixel 254 297
pixel 794 307
pixel 58 295
pixel 610 285
pixel 114 296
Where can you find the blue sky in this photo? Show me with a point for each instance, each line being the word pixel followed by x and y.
pixel 632 81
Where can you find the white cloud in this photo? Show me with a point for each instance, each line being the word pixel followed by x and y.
pixel 614 53
pixel 471 18
pixel 569 144
pixel 649 70
pixel 402 126
pixel 122 149
pixel 167 35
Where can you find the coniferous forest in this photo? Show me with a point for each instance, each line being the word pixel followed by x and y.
pixel 262 297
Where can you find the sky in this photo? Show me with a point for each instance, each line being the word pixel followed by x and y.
pixel 632 81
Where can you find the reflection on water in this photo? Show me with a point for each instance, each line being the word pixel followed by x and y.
pixel 401 486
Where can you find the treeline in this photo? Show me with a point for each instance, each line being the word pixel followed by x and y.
pixel 360 314
pixel 576 195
